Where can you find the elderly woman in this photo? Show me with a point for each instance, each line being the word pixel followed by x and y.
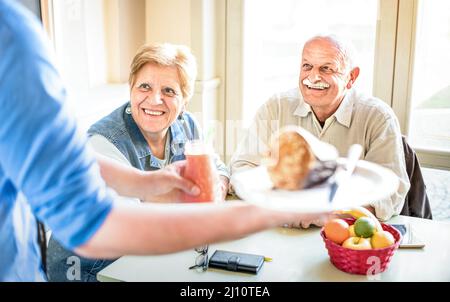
pixel 152 129
pixel 148 132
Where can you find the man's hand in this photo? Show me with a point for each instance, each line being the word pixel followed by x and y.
pixel 224 187
pixel 310 221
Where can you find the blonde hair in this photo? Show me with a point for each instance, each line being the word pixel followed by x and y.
pixel 167 55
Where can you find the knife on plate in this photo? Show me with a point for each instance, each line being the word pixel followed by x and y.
pixel 343 173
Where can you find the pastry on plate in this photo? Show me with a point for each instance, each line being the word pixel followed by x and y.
pixel 291 162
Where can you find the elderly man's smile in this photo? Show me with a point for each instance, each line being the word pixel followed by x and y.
pixel 315 86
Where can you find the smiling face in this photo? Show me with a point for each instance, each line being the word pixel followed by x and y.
pixel 324 76
pixel 156 99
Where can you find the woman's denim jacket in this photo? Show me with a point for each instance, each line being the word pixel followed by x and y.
pixel 121 130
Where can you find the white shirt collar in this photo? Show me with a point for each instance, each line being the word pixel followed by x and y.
pixel 343 114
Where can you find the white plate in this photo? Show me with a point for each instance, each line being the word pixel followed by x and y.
pixel 369 182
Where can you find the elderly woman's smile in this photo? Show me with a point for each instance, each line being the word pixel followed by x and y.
pixel 153 112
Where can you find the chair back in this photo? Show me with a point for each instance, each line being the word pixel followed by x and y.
pixel 416 201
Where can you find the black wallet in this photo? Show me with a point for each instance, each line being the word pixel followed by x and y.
pixel 238 262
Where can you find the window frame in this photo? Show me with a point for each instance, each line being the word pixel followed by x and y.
pixel 403 77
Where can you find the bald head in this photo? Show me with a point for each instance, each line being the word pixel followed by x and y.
pixel 343 48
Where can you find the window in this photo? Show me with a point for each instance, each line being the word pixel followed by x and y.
pixel 80 45
pixel 429 122
pixel 94 42
pixel 275 30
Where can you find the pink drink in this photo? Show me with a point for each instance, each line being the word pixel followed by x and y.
pixel 200 170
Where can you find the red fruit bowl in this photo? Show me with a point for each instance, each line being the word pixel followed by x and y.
pixel 362 262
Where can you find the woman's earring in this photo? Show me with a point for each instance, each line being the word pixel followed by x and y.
pixel 180 116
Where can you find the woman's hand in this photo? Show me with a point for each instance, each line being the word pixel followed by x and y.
pixel 224 186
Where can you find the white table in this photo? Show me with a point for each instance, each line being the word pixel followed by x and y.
pixel 298 255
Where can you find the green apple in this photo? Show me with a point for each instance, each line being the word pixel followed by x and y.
pixel 365 227
pixel 357 243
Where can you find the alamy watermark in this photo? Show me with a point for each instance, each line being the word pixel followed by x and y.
pixel 374 271
pixel 74 271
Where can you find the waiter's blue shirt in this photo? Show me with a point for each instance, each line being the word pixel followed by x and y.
pixel 45 170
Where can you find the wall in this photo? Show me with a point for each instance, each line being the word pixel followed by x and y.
pixel 168 21
pixel 125 24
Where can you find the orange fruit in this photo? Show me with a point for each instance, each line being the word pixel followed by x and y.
pixel 337 230
pixel 382 239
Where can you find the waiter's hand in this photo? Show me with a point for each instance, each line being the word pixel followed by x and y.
pixel 167 184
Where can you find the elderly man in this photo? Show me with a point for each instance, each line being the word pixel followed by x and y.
pixel 328 106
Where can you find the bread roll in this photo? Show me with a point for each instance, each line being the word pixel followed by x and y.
pixel 290 160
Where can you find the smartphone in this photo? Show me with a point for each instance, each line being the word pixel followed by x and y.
pixel 238 262
pixel 409 238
